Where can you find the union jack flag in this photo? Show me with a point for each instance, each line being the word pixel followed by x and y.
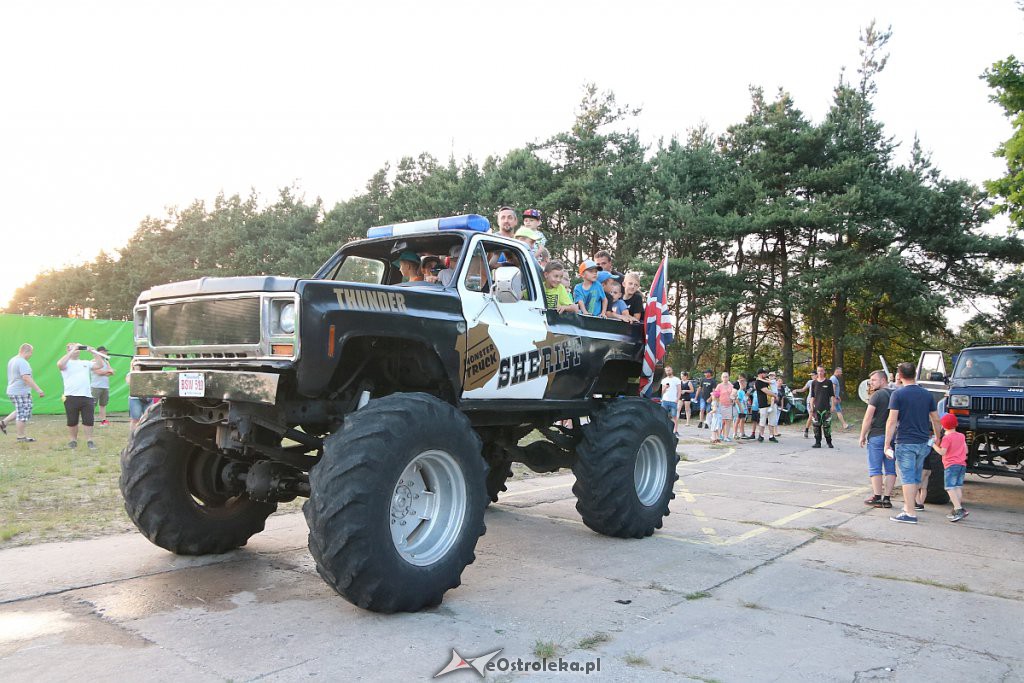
pixel 657 328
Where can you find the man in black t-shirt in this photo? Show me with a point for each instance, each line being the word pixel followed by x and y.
pixel 707 385
pixel 823 399
pixel 872 435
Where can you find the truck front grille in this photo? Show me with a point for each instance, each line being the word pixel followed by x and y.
pixel 210 322
pixel 1005 405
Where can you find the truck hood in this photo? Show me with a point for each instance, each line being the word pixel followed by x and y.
pixel 220 285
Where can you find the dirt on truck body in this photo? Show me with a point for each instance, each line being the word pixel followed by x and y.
pixel 395 407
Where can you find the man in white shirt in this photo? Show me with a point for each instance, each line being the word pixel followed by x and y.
pixel 670 390
pixel 78 400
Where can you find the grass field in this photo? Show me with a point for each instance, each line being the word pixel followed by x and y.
pixel 49 492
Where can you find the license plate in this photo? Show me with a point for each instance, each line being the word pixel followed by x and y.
pixel 191 384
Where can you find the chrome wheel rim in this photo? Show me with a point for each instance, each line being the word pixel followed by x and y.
pixel 649 475
pixel 428 508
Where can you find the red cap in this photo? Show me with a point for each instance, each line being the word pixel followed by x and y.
pixel 948 421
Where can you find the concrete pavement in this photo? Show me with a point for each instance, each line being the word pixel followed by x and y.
pixel 770 568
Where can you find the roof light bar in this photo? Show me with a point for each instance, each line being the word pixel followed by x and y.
pixel 470 221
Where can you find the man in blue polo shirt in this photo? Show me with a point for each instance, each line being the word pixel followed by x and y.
pixel 913 420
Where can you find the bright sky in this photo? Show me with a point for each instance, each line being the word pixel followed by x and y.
pixel 112 111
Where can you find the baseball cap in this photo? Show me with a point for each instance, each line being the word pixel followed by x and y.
pixel 763 371
pixel 406 255
pixel 528 233
pixel 948 421
pixel 531 213
pixel 709 370
pixel 603 275
pixel 588 265
pixel 101 348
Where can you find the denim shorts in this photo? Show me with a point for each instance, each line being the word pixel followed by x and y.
pixel 877 462
pixel 839 406
pixel 910 459
pixel 670 408
pixel 954 476
pixel 704 405
pixel 136 406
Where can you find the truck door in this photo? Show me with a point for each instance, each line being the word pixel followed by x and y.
pixel 505 340
pixel 931 363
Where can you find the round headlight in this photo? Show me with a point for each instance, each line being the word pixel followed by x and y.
pixel 286 319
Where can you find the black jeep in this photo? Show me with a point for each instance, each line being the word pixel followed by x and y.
pixel 986 393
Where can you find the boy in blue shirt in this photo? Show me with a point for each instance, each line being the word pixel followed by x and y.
pixel 588 292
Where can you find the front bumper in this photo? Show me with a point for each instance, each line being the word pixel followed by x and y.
pixel 991 423
pixel 225 385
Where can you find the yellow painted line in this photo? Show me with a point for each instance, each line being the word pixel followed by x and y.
pixel 788 481
pixel 731 451
pixel 791 517
pixel 712 536
pixel 537 489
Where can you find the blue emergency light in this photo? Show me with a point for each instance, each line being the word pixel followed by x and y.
pixel 470 221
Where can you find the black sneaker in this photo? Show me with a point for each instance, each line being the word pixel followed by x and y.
pixel 773 439
pixel 760 439
pixel 886 503
pixel 918 506
pixel 830 445
pixel 816 445
pixel 699 425
pixel 807 434
pixel 874 501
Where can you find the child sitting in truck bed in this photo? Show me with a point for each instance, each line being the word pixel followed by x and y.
pixel 555 294
pixel 589 293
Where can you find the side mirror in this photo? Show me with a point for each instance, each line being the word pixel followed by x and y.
pixel 508 285
pixel 936 377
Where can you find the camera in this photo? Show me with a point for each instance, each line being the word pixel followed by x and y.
pixel 81 347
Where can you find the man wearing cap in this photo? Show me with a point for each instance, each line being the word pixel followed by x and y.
pixel 100 383
pixel 507 222
pixel 409 263
pixel 765 399
pixel 604 260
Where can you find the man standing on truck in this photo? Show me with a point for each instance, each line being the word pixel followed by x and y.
pixel 507 222
pixel 913 419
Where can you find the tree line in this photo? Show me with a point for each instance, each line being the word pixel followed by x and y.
pixel 790 242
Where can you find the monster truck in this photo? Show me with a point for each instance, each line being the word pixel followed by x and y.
pixel 396 407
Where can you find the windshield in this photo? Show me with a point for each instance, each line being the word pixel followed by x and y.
pixel 1004 363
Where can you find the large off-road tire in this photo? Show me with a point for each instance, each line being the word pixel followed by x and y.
pixel 173 493
pixel 625 469
pixel 397 503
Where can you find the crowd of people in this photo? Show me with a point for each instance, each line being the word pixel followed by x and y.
pixel 725 406
pixel 86 388
pixel 901 431
pixel 601 290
